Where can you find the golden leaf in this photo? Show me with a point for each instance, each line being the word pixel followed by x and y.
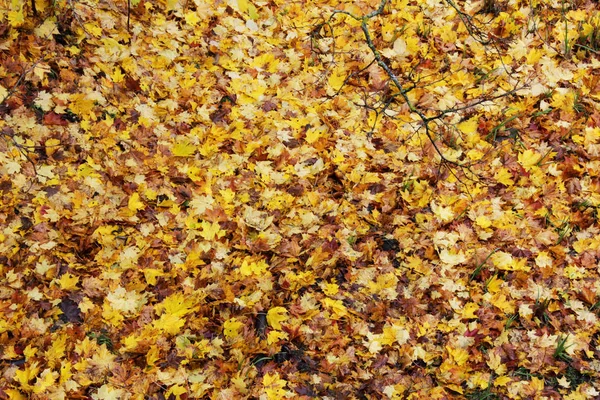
pixel 275 316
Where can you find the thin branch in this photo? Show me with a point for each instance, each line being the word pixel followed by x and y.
pixel 397 83
pixel 474 31
pixel 128 14
pixel 425 120
pixel 19 81
pixel 348 77
pixel 443 113
pixel 22 149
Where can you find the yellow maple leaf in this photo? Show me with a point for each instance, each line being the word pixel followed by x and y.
pixel 475 154
pixel 459 355
pixel 483 222
pixel 68 281
pixel 94 29
pixel 468 311
pixel 528 158
pixel 249 268
pixel 331 289
pixel 130 342
pixel 242 5
pixel 585 244
pixel 231 328
pixel 505 261
pixel 274 386
pixel 30 351
pixel 564 382
pixel 394 333
pixel 452 258
pixel 538 385
pixel 493 284
pixel 211 230
pixel 227 194
pixel 312 135
pixel 504 176
pixel 499 300
pixel 47 29
pixel 46 380
pixel 152 356
pixel 177 304
pixel 24 376
pixel 171 4
pixel 147 115
pixel 252 11
pixel 183 149
pixel 134 204
pixel 56 350
pixel 336 306
pixel 174 308
pixel 108 392
pixel 502 259
pixel 359 175
pixel 14 394
pixel 52 145
pixel 502 380
pixel 275 336
pixel 103 359
pixel 276 316
pixel 169 323
pixel 383 282
pixel 176 390
pixel 16 18
pixel 444 213
pixel 192 18
pixel 469 126
pixel 117 76
pixel 3 93
pixel 150 274
pixel 337 78
pixel 127 302
pixel 81 105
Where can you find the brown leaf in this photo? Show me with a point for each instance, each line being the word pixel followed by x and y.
pixel 52 118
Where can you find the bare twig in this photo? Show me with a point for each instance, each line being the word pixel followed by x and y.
pixel 24 150
pixel 425 120
pixel 19 81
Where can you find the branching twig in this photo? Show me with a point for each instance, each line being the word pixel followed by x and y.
pixel 425 120
pixel 350 76
pixel 367 34
pixel 22 149
pixel 474 31
pixel 19 81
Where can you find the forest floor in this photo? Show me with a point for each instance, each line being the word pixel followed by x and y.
pixel 292 199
